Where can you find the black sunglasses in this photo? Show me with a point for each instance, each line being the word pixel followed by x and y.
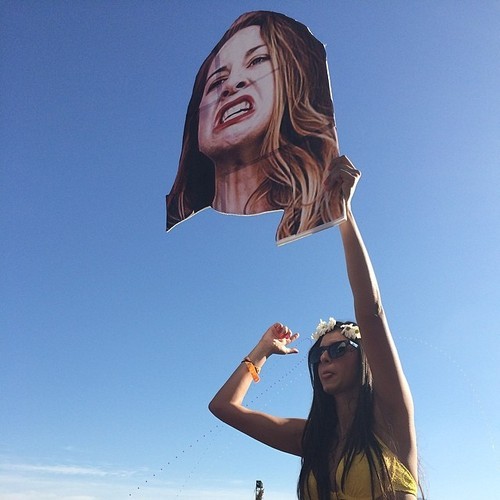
pixel 335 350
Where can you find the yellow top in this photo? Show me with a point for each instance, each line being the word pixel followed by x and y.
pixel 357 483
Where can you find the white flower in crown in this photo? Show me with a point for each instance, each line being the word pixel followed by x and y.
pixel 323 327
pixel 350 331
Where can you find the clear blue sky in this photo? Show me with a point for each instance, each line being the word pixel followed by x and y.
pixel 114 335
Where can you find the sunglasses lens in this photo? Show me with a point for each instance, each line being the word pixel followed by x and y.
pixel 337 350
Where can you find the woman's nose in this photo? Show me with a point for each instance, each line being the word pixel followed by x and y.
pixel 231 86
pixel 324 358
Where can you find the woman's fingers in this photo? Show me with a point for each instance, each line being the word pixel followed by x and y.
pixel 342 160
pixel 281 331
pixel 281 347
pixel 341 171
pixel 281 336
pixel 344 175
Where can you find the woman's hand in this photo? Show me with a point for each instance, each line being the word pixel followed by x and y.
pixel 277 338
pixel 344 174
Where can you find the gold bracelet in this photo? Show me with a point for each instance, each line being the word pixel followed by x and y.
pixel 254 370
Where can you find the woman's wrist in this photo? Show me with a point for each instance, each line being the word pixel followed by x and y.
pixel 348 212
pixel 252 368
pixel 349 222
pixel 259 354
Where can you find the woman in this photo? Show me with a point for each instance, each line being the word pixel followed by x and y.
pixel 256 162
pixel 359 439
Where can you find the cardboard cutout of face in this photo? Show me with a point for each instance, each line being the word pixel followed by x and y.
pixel 260 131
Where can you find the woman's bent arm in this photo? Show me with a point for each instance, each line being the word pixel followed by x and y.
pixel 284 434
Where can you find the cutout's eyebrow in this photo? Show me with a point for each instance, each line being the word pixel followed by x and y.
pixel 249 52
pixel 252 50
pixel 218 70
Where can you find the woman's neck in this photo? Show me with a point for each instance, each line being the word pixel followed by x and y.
pixel 235 184
pixel 346 405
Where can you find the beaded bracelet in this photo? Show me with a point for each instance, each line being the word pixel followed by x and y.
pixel 254 370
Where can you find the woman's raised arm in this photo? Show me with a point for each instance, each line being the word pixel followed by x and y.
pixel 389 382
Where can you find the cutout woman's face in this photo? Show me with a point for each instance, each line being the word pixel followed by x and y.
pixel 238 97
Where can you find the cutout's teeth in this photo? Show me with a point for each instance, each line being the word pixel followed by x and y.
pixel 239 108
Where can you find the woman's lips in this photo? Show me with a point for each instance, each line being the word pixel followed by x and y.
pixel 326 374
pixel 234 112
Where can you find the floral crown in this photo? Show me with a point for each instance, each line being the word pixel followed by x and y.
pixel 349 330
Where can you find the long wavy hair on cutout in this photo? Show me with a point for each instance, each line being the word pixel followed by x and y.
pixel 320 438
pixel 299 145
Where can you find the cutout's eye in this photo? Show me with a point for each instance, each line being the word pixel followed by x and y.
pixel 215 84
pixel 259 60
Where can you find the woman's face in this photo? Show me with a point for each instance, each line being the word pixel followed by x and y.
pixel 238 97
pixel 340 374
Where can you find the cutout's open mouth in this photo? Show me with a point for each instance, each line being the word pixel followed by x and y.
pixel 238 109
pixel 234 111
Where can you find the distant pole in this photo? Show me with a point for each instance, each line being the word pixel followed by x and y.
pixel 259 490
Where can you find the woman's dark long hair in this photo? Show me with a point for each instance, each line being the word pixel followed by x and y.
pixel 320 438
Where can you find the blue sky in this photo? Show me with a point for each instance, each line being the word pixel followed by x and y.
pixel 114 335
